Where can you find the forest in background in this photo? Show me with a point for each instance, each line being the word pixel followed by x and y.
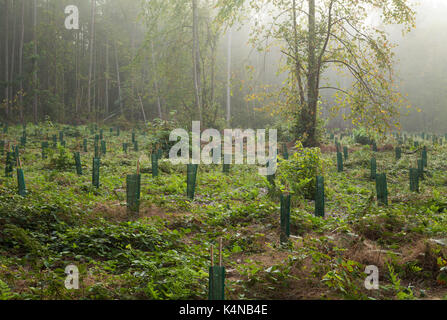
pixel 129 61
pixel 135 60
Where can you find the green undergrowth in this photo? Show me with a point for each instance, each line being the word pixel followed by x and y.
pixel 163 253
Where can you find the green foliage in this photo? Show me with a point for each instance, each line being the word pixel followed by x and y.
pixel 5 292
pixel 61 160
pixel 164 253
pixel 298 174
pixel 362 137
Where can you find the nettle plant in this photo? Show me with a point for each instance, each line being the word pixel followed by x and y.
pixel 298 174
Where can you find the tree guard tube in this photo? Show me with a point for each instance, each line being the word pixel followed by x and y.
pixel 382 189
pixel 95 172
pixel 191 177
pixel 78 164
pixel 414 179
pixel 319 197
pixel 154 158
pixel 133 185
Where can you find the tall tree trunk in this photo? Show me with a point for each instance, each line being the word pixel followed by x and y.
pixel 132 70
pixel 13 54
pixel 7 56
pixel 35 83
pixel 157 92
pixel 107 77
pixel 91 45
pixel 309 112
pixel 196 57
pixel 229 79
pixel 118 79
pixel 142 108
pixel 213 77
pixel 22 40
pixel 94 109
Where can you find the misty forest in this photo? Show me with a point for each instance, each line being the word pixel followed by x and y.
pixel 345 99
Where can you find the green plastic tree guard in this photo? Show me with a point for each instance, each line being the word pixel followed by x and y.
pixel 285 152
pixel 345 152
pixel 319 197
pixel 382 189
pixel 191 173
pixel 78 164
pixel 374 146
pixel 97 155
pixel 54 141
pixel 414 179
pixel 95 172
pixel 421 169
pixel 133 136
pixel 226 168
pixel 339 162
pixel 373 165
pixel 125 147
pixel 103 147
pixel 9 164
pixel 2 147
pixel 101 134
pixel 21 182
pixel 216 283
pixel 23 141
pixel 135 146
pixel 133 183
pixel 424 157
pixel 285 218
pixel 154 159
pixel 118 132
pixel 44 147
pixel 85 145
pixel 398 153
pixel 160 153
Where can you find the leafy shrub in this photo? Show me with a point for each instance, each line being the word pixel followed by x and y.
pixel 362 137
pixel 298 174
pixel 61 160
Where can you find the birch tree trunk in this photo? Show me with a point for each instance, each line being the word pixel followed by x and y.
pixel 196 57
pixel 22 39
pixel 229 79
pixel 35 84
pixel 118 79
pixel 154 66
pixel 13 54
pixel 107 77
pixel 7 56
pixel 91 45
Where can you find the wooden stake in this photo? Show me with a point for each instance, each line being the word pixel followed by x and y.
pixel 220 252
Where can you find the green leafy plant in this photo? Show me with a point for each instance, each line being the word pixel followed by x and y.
pixel 298 174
